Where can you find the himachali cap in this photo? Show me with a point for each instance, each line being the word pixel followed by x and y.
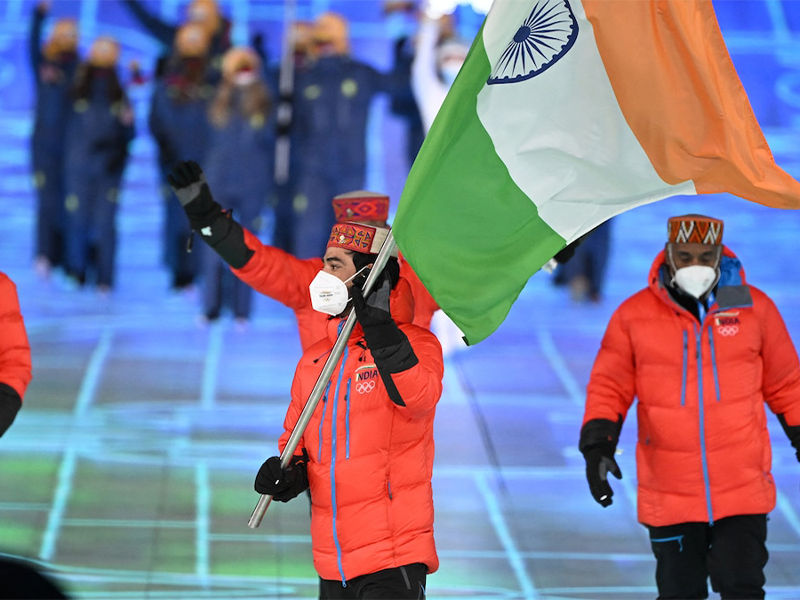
pixel 361 206
pixel 358 237
pixel 694 229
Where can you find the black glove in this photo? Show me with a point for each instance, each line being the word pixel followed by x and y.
pixel 215 226
pixel 598 443
pixel 374 316
pixel 189 184
pixel 599 463
pixel 389 345
pixel 283 484
pixel 10 404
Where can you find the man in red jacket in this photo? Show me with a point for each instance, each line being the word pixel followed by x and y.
pixel 367 452
pixel 702 350
pixel 15 354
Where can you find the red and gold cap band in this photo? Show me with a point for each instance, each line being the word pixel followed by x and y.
pixel 358 238
pixel 694 229
pixel 361 206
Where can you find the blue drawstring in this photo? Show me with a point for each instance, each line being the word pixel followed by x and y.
pixel 685 366
pixel 714 361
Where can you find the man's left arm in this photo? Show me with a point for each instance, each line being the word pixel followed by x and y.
pixel 781 368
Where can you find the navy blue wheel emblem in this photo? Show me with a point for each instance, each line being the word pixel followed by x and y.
pixel 544 37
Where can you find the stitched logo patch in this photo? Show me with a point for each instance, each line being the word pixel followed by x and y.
pixel 727 326
pixel 366 378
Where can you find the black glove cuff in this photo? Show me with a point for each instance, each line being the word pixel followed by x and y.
pixel 395 358
pixel 600 433
pixel 232 248
pixel 225 236
pixel 10 403
pixel 792 432
pixel 382 335
pixel 204 213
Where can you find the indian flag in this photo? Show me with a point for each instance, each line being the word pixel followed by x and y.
pixel 565 114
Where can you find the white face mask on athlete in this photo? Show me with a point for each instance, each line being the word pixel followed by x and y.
pixel 329 293
pixel 695 280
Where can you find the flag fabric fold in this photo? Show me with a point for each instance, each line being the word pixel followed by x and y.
pixel 564 115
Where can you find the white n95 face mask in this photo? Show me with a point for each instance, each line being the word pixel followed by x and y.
pixel 329 293
pixel 695 280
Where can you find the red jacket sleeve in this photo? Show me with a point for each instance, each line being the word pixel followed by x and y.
pixel 15 351
pixel 292 416
pixel 781 379
pixel 612 383
pixel 278 274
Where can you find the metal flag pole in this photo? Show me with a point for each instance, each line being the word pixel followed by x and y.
pixel 322 381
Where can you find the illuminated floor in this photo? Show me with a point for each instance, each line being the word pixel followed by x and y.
pixel 128 473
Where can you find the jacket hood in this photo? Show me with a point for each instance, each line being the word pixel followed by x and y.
pixel 731 289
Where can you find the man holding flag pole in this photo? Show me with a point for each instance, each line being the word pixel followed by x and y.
pixel 366 453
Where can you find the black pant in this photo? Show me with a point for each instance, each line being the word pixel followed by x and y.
pixel 732 552
pixel 401 583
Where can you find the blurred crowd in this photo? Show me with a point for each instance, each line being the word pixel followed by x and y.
pixel 284 134
pixel 281 134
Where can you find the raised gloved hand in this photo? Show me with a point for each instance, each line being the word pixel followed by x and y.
pixel 283 484
pixel 189 184
pixel 215 226
pixel 599 463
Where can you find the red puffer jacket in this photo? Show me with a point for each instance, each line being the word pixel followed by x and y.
pixel 15 351
pixel 703 450
pixel 370 460
pixel 286 278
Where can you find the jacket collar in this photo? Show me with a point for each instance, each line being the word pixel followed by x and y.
pixel 731 289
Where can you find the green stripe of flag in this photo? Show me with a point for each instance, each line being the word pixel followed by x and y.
pixel 468 231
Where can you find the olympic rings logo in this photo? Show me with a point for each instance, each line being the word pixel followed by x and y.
pixel 728 330
pixel 364 387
